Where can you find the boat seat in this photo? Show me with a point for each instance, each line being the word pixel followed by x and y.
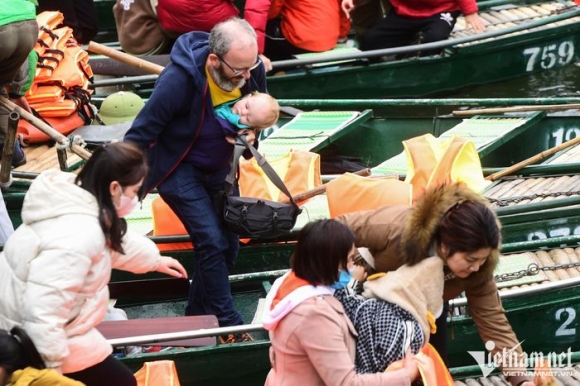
pixel 163 289
pixel 340 49
pixel 487 133
pixel 312 131
pixel 115 329
pixel 566 156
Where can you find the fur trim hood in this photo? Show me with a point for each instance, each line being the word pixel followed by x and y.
pixel 423 222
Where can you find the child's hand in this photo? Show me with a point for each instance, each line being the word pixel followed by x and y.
pixel 359 273
pixel 410 365
pixel 407 363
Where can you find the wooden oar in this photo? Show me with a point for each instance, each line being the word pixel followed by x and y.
pixel 533 159
pixel 125 58
pixel 45 128
pixel 322 188
pixel 8 151
pixel 515 109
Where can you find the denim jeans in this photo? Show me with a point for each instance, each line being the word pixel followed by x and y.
pixel 190 193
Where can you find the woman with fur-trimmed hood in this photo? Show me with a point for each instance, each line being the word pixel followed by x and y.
pixel 458 225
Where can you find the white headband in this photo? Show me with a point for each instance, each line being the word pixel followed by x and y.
pixel 367 256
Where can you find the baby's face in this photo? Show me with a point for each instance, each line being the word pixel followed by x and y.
pixel 252 110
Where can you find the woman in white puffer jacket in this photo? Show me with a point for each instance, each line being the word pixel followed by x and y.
pixel 55 268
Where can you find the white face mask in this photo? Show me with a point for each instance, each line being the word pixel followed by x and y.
pixel 126 205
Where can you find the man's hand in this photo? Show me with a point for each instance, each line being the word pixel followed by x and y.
pixel 267 62
pixel 249 133
pixel 475 21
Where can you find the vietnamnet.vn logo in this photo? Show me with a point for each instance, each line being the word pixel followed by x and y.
pixel 558 364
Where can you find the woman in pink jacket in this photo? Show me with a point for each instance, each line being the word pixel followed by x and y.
pixel 313 340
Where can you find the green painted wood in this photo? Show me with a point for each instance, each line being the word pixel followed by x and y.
pixel 495 56
pixel 312 131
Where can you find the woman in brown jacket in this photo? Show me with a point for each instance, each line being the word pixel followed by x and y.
pixel 458 225
pixel 313 341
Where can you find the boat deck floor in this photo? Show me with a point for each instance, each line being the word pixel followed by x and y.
pixel 40 157
pixel 517 190
pixel 503 17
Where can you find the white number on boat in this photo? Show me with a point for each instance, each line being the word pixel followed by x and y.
pixel 558 232
pixel 548 56
pixel 561 135
pixel 563 330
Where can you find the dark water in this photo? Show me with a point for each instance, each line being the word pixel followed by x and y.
pixel 562 82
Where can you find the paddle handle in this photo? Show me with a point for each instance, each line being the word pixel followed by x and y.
pixel 131 60
pixel 322 188
pixel 497 110
pixel 533 159
pixel 45 128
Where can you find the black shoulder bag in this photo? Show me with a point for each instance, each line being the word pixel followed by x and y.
pixel 256 217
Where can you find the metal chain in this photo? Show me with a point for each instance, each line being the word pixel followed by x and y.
pixel 533 269
pixel 508 200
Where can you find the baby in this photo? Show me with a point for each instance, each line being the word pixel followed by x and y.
pixel 253 111
pixel 396 311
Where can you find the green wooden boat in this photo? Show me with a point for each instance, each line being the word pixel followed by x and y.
pixel 522 38
pixel 533 303
pixel 374 134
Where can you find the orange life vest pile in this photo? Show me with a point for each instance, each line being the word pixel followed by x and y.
pixel 59 92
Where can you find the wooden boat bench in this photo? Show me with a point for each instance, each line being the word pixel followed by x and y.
pixel 115 329
pixel 340 49
pixel 312 131
pixel 487 133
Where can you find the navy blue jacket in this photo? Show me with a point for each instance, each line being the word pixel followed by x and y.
pixel 172 118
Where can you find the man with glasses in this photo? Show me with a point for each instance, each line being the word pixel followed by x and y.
pixel 189 153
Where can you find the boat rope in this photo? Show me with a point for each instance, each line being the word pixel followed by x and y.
pixel 508 200
pixel 533 269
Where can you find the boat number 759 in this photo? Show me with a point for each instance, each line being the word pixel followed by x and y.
pixel 549 56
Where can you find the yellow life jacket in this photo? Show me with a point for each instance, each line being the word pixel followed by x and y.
pixel 298 169
pixel 434 161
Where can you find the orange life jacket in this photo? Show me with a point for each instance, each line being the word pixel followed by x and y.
pixel 157 373
pixel 299 170
pixel 166 223
pixel 351 193
pixel 60 86
pixel 432 369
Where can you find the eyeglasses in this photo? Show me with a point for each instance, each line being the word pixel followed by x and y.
pixel 237 71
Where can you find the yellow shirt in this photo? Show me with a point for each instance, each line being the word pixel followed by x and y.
pixel 219 96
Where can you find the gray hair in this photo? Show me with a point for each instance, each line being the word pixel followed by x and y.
pixel 225 33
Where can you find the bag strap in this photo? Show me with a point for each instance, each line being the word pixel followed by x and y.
pixel 241 145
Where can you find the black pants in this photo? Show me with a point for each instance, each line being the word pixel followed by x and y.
pixel 396 31
pixel 276 46
pixel 439 339
pixel 109 372
pixel 80 15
